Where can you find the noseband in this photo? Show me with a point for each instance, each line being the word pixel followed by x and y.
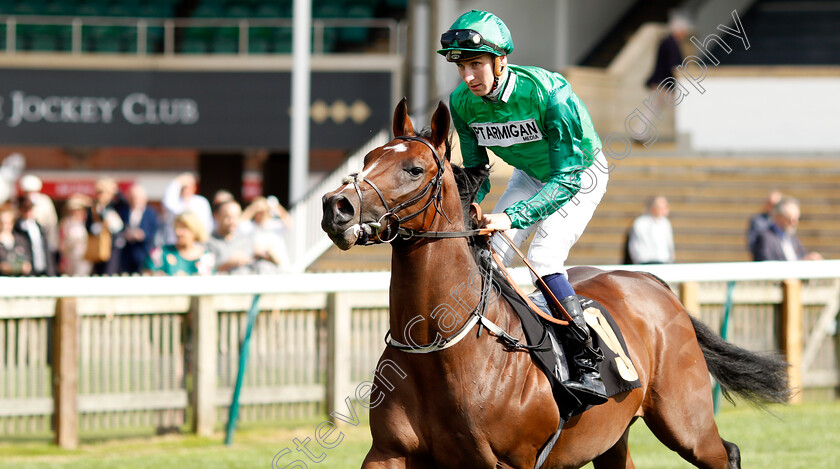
pixel 434 186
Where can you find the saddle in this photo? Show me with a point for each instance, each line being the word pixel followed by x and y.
pixel 617 370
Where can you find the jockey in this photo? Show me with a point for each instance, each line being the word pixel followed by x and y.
pixel 531 119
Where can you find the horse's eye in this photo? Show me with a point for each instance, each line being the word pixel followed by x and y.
pixel 415 171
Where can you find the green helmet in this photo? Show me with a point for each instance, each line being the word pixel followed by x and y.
pixel 474 33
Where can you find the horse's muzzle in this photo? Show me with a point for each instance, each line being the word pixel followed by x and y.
pixel 338 220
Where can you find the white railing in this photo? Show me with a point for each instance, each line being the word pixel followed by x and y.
pixel 306 240
pixel 141 26
pixel 352 282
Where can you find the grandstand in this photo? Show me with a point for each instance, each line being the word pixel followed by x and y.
pixel 711 199
pixel 791 33
pixel 196 26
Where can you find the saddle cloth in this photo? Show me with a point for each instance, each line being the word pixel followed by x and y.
pixel 617 370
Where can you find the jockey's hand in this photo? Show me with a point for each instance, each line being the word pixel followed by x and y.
pixel 497 221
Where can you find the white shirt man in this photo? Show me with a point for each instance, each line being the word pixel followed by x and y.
pixel 652 238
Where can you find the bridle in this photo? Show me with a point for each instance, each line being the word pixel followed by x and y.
pixel 391 217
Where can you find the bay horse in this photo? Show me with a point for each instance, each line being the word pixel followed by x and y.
pixel 478 404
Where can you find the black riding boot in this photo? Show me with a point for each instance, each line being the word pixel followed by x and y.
pixel 584 355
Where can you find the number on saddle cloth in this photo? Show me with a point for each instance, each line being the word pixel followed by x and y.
pixel 609 340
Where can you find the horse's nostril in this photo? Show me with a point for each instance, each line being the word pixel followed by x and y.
pixel 343 208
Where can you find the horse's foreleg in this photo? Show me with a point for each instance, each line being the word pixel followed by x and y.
pixel 617 457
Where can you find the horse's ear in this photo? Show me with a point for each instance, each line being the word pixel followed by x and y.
pixel 402 123
pixel 440 125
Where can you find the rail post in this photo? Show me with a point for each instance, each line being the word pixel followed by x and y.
pixel 204 357
pixel 66 374
pixel 338 353
pixel 792 334
pixel 690 297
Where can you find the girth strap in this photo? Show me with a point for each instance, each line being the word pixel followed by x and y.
pixel 434 346
pixel 476 317
pixel 510 341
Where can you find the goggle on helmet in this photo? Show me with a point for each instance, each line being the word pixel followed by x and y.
pixel 474 33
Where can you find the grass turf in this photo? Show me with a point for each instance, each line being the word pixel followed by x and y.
pixel 801 436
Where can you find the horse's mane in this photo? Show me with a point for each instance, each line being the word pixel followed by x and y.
pixel 469 181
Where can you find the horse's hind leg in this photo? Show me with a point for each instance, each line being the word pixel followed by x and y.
pixel 693 434
pixel 617 457
pixel 678 409
pixel 734 454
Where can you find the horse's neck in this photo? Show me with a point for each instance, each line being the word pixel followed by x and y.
pixel 435 284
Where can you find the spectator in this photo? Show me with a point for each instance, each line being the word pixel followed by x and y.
pixel 10 170
pixel 272 216
pixel 651 239
pixel 45 214
pixel 102 215
pixel 661 105
pixel 141 224
pixel 220 197
pixel 278 211
pixel 760 222
pixel 668 55
pixel 268 233
pixel 43 264
pixel 72 241
pixel 15 253
pixel 187 256
pixel 779 242
pixel 180 196
pixel 234 251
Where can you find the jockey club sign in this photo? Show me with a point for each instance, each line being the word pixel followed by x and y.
pixel 136 108
pixel 201 109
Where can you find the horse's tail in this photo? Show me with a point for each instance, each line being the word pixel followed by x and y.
pixel 758 378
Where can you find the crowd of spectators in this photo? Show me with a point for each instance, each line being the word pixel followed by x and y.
pixel 115 233
pixel 771 235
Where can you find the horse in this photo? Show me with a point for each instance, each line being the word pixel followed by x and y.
pixel 479 404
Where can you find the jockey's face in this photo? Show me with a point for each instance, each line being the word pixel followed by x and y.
pixel 477 73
